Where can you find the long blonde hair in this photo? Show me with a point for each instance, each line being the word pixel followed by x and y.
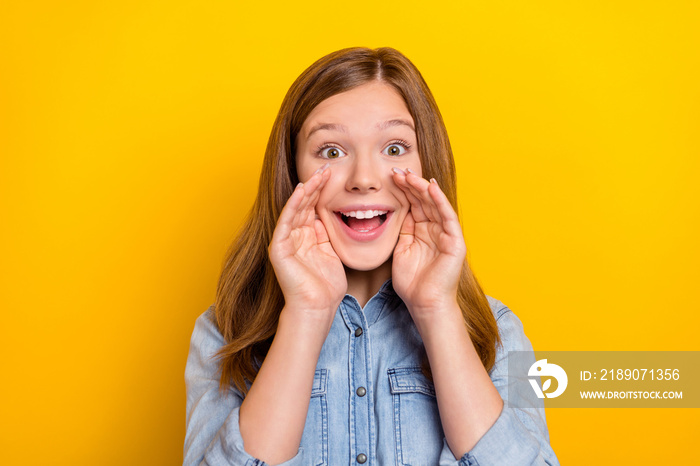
pixel 249 299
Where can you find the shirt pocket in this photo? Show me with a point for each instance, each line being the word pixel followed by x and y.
pixel 417 427
pixel 315 436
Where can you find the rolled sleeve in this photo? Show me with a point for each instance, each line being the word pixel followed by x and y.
pixel 227 448
pixel 212 435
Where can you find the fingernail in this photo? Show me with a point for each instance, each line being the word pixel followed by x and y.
pixel 432 180
pixel 326 165
pixel 398 171
pixel 299 185
pixel 410 171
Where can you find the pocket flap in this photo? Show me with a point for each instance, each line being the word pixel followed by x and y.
pixel 410 380
pixel 320 378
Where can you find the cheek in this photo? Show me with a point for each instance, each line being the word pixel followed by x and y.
pixel 327 195
pixel 306 164
pixel 416 166
pixel 304 171
pixel 400 195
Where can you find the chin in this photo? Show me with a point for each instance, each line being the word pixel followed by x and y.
pixel 364 262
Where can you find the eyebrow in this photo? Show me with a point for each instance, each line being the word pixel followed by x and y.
pixel 344 129
pixel 328 127
pixel 397 122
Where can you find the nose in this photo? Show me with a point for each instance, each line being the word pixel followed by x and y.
pixel 364 175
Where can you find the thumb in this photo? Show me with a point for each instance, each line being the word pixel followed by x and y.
pixel 321 233
pixel 406 235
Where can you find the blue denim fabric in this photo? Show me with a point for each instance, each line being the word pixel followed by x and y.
pixel 395 423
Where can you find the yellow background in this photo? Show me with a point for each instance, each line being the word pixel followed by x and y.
pixel 131 139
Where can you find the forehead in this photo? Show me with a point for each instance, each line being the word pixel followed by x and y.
pixel 369 104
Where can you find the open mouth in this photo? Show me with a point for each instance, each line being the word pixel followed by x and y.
pixel 363 221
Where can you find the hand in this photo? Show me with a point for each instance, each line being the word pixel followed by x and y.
pixel 429 255
pixel 308 270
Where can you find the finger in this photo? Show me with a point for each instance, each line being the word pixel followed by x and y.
pixel 310 187
pixel 406 238
pixel 408 227
pixel 312 192
pixel 291 207
pixel 450 221
pixel 309 213
pixel 321 233
pixel 419 188
pixel 416 204
pixel 289 212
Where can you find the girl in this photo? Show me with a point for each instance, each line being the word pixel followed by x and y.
pixel 348 327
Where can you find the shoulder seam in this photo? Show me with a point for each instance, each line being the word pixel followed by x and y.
pixel 501 312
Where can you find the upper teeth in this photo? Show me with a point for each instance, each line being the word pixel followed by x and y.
pixel 364 213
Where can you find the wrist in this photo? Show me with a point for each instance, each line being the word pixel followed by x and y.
pixel 437 316
pixel 306 322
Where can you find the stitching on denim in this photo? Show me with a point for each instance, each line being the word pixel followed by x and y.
pixel 397 428
pixel 369 396
pixel 399 384
pixel 501 312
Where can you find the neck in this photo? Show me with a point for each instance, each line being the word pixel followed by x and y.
pixel 363 284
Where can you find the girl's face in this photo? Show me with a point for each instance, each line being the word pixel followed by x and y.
pixel 362 133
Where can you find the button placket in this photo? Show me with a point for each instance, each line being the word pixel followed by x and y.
pixel 361 407
pixel 361 411
pixel 360 384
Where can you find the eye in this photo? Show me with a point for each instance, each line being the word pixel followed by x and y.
pixel 330 152
pixel 396 148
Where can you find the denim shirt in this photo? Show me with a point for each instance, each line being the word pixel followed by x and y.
pixel 370 403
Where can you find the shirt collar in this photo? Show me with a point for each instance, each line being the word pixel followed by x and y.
pixel 355 316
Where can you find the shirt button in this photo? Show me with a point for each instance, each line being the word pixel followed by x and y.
pixel 361 391
pixel 361 458
pixel 358 331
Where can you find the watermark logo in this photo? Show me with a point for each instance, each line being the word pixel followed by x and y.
pixel 542 368
pixel 604 379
